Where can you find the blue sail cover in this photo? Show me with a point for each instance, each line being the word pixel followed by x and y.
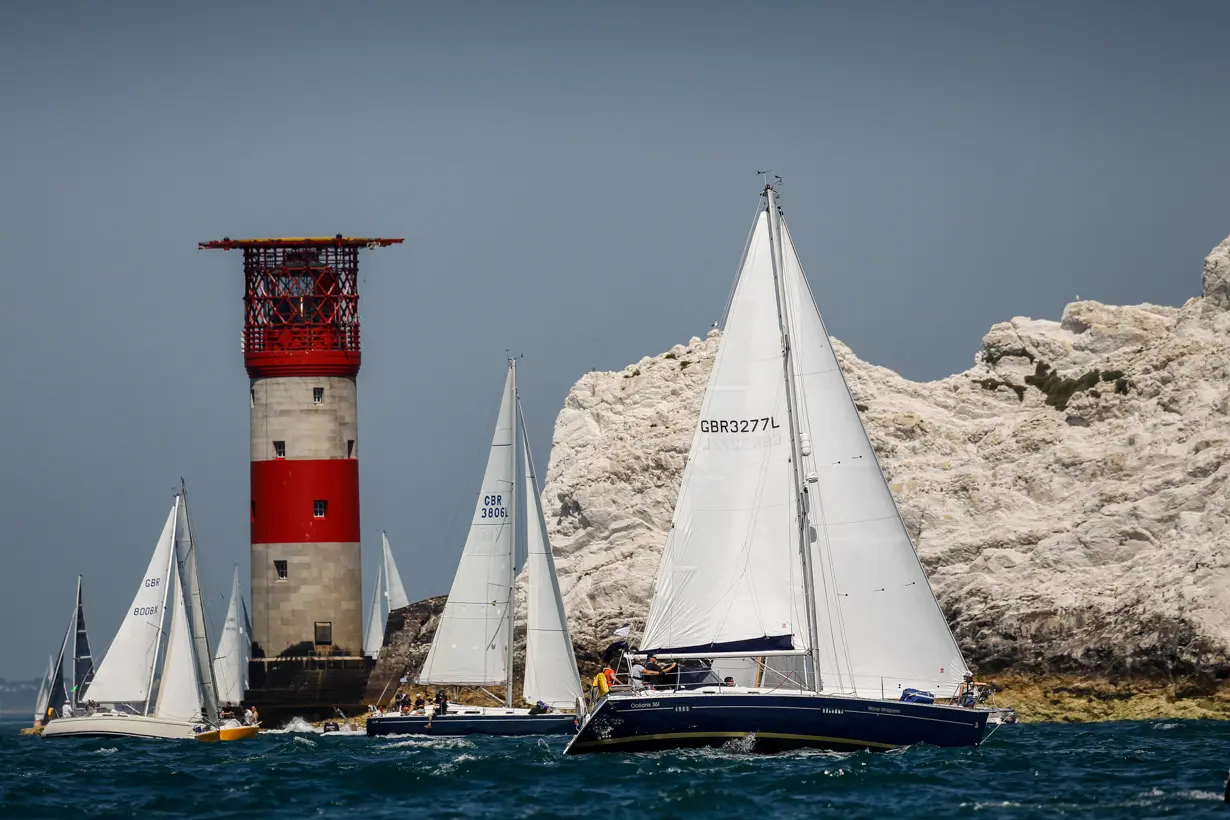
pixel 749 646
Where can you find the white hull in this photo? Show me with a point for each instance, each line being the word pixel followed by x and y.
pixel 117 724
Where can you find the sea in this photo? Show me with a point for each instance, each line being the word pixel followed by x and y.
pixel 1164 768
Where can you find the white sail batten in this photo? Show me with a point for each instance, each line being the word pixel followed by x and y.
pixel 395 593
pixel 550 665
pixel 730 578
pixel 230 660
pixel 126 670
pixel 373 640
pixel 179 691
pixel 472 638
pixel 880 627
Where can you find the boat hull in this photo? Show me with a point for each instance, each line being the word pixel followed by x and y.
pixel 774 722
pixel 121 725
pixel 228 733
pixel 473 724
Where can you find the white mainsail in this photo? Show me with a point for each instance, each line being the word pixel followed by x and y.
pixel 730 578
pixel 472 640
pixel 230 660
pixel 179 692
pixel 374 639
pixel 126 671
pixel 881 629
pixel 550 665
pixel 395 593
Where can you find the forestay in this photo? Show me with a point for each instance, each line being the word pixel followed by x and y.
pixel 472 639
pixel 550 665
pixel 730 578
pixel 880 626
pixel 126 670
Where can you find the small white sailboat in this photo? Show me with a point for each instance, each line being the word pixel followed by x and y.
pixel 473 644
pixel 789 591
pixel 156 680
pixel 230 659
pixel 387 595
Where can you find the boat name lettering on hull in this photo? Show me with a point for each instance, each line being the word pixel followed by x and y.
pixel 648 705
pixel 738 425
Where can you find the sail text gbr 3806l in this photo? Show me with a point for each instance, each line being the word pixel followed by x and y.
pixel 787 569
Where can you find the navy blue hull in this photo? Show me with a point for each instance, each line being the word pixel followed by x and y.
pixel 455 725
pixel 776 722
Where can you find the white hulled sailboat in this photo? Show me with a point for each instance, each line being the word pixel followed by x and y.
pixel 473 644
pixel 69 673
pixel 787 568
pixel 387 595
pixel 156 679
pixel 230 660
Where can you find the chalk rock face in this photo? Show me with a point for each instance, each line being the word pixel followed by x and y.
pixel 1069 494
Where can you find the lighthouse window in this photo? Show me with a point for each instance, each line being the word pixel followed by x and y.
pixel 324 633
pixel 280 567
pixel 349 448
pixel 252 397
pixel 318 395
pixel 319 508
pixel 279 449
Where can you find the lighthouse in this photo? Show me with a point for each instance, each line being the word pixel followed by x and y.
pixel 301 349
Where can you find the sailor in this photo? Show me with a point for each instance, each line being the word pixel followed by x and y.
pixel 967 692
pixel 637 676
pixel 66 710
pixel 256 716
pixel 611 680
pixel 420 703
pixel 247 716
pixel 441 703
pixel 729 681
pixel 657 675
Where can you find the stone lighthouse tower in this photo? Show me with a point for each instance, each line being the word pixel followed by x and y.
pixel 301 350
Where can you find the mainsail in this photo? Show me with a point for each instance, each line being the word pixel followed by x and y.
pixel 732 576
pixel 126 672
pixel 473 639
pixel 395 593
pixel 374 639
pixel 550 665
pixel 185 553
pixel 83 662
pixel 230 660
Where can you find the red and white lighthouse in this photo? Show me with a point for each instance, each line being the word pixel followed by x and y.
pixel 301 350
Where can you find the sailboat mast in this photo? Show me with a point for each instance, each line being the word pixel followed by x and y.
pixel 162 615
pixel 512 522
pixel 796 456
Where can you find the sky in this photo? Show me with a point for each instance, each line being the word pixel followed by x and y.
pixel 574 183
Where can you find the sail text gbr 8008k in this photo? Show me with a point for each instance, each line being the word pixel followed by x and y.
pixel 787 569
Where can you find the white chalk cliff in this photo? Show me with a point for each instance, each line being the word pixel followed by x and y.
pixel 1069 494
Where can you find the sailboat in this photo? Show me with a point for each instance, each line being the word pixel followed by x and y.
pixel 68 674
pixel 789 592
pixel 156 680
pixel 230 661
pixel 387 595
pixel 473 643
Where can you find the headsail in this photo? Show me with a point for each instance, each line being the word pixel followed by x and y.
pixel 185 554
pixel 230 661
pixel 730 578
pixel 550 666
pixel 83 662
pixel 44 691
pixel 374 639
pixel 880 626
pixel 471 643
pixel 396 593
pixel 126 670
pixel 179 693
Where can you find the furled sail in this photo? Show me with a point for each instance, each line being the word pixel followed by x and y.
pixel 230 660
pixel 396 593
pixel 126 670
pixel 881 629
pixel 730 579
pixel 472 638
pixel 374 639
pixel 550 666
pixel 179 692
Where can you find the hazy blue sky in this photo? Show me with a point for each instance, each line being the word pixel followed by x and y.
pixel 574 182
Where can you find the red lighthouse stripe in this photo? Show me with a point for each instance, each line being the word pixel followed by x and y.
pixel 284 496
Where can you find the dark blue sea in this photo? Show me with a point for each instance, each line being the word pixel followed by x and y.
pixel 1129 770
